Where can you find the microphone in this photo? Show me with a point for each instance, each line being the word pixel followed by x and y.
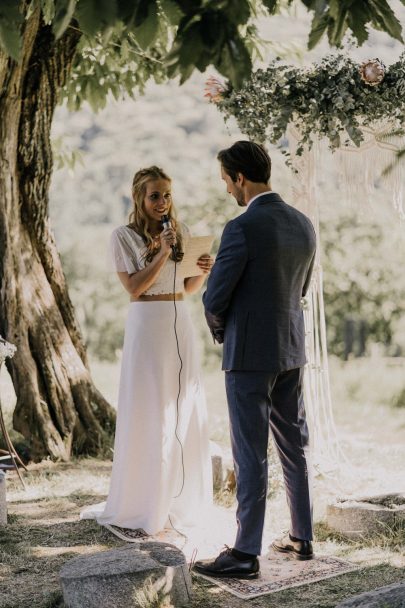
pixel 166 223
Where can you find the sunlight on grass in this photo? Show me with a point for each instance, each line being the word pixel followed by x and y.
pixel 49 480
pixel 49 490
pixel 366 385
pixel 41 551
pixel 386 546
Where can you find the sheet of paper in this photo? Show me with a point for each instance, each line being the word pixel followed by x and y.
pixel 196 247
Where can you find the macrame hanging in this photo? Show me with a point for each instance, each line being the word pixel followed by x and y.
pixel 362 169
pixel 326 450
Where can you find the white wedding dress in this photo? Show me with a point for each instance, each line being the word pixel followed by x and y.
pixel 161 474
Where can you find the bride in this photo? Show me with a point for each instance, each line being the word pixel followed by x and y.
pixel 161 474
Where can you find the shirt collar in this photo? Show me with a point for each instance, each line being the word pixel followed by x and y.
pixel 257 196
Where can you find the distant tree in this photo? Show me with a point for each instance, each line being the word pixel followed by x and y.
pixel 364 284
pixel 82 50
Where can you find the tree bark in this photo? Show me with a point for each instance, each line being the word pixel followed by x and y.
pixel 59 410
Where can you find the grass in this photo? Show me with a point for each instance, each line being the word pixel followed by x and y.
pixel 390 538
pixel 44 530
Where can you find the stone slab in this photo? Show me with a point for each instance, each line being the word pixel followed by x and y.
pixel 365 516
pixel 125 577
pixel 392 596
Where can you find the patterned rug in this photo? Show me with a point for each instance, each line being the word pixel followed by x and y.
pixel 127 534
pixel 279 571
pixel 135 536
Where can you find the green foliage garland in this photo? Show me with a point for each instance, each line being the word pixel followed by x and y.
pixel 327 99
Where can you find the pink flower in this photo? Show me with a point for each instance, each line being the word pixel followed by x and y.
pixel 214 89
pixel 372 72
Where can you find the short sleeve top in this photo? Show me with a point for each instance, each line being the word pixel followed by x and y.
pixel 127 252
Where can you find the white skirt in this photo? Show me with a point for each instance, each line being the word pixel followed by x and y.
pixel 161 474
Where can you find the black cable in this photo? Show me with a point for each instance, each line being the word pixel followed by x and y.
pixel 180 370
pixel 179 532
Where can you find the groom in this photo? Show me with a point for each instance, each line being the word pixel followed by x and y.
pixel 253 305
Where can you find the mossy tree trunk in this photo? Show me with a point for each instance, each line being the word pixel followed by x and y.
pixel 59 410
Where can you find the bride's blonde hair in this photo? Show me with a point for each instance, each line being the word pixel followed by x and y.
pixel 138 220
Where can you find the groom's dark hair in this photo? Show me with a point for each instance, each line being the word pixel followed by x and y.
pixel 247 158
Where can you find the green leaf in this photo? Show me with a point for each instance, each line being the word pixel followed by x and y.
pixel 353 13
pixel 10 40
pixel 236 11
pixel 48 10
pixel 126 10
pixel 339 15
pixel 318 27
pixel 185 52
pixel 339 30
pixel 212 28
pixel 142 11
pixel 335 9
pixel 108 34
pixel 10 11
pixel 172 11
pixel 357 18
pixel 64 10
pixel 11 20
pixel 385 17
pixel 234 62
pixel 94 16
pixel 147 32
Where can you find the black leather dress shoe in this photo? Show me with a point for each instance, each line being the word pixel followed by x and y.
pixel 227 565
pixel 300 549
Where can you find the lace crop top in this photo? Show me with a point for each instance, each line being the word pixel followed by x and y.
pixel 127 251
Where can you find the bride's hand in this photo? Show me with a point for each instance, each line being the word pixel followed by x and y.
pixel 167 239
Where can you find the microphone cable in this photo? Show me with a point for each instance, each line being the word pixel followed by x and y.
pixel 176 258
pixel 179 383
pixel 177 400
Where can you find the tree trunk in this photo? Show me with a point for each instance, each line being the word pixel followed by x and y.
pixel 58 408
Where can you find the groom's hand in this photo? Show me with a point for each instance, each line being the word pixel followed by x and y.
pixel 218 336
pixel 216 325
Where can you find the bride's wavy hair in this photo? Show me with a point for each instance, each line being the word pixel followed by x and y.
pixel 138 220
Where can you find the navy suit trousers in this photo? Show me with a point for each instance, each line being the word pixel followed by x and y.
pixel 257 401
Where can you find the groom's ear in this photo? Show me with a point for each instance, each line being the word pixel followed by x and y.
pixel 240 179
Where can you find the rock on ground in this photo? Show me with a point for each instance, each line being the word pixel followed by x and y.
pixel 127 577
pixel 392 596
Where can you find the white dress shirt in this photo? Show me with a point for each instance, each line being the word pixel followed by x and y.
pixel 257 196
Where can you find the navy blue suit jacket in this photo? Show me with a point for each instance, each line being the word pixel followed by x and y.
pixel 253 297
